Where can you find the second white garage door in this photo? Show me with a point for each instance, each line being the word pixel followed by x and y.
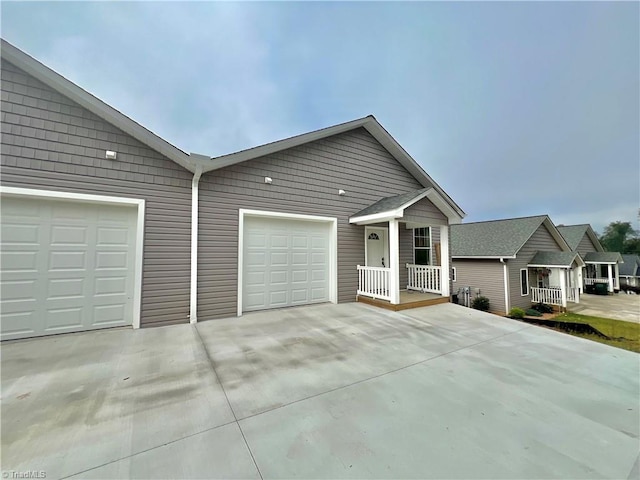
pixel 286 263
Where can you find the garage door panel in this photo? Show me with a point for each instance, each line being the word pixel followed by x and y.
pixel 69 235
pixel 18 324
pixel 18 233
pixel 279 277
pixel 114 237
pixel 65 288
pixel 69 318
pixel 278 255
pixel 279 259
pixel 111 260
pixel 75 261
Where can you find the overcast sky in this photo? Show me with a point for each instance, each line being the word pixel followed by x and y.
pixel 513 108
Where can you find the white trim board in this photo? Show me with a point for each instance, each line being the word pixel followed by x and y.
pixel 99 199
pixel 333 247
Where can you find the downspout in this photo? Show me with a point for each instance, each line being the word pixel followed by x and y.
pixel 193 302
pixel 505 270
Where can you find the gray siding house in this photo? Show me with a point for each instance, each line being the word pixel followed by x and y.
pixel 630 271
pixel 600 266
pixel 106 224
pixel 515 262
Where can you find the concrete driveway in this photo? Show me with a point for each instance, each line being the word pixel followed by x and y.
pixel 331 391
pixel 619 306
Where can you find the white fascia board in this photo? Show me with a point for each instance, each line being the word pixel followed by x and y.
pixel 600 263
pixel 72 91
pixel 535 265
pixel 377 217
pixel 483 257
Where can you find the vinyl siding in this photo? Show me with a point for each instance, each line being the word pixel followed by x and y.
pixel 425 211
pixel 306 180
pixel 487 275
pixel 51 143
pixel 540 240
pixel 586 245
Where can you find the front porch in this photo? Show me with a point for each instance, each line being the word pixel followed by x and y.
pixel 556 276
pixel 408 299
pixel 601 268
pixel 406 252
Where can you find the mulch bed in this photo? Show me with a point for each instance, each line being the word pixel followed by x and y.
pixel 547 320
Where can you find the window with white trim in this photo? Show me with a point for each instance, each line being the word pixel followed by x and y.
pixel 454 274
pixel 422 246
pixel 524 282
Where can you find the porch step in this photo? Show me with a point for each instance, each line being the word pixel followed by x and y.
pixel 401 306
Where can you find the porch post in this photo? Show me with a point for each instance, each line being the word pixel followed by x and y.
pixel 610 273
pixel 394 262
pixel 563 288
pixel 577 273
pixel 617 275
pixel 444 260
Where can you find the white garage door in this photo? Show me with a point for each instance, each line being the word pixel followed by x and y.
pixel 286 263
pixel 65 266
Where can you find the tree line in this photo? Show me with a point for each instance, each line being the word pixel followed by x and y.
pixel 620 237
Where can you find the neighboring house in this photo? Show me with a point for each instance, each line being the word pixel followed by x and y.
pixel 601 266
pixel 106 224
pixel 515 262
pixel 630 271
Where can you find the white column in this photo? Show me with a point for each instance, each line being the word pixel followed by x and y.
pixel 610 274
pixel 577 274
pixel 617 275
pixel 444 260
pixel 563 288
pixel 394 262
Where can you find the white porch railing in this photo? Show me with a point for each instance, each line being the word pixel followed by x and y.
pixel 593 281
pixel 374 282
pixel 424 278
pixel 573 294
pixel 550 296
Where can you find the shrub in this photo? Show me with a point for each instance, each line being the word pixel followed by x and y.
pixel 543 308
pixel 533 313
pixel 480 303
pixel 516 312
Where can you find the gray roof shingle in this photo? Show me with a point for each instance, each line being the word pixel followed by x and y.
pixel 603 257
pixel 628 267
pixel 390 203
pixel 495 238
pixel 573 234
pixel 554 259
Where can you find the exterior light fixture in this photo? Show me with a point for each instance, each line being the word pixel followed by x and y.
pixel 268 180
pixel 341 192
pixel 111 155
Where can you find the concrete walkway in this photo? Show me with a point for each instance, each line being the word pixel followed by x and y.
pixel 619 306
pixel 331 391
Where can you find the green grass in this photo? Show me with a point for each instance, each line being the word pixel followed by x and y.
pixel 622 334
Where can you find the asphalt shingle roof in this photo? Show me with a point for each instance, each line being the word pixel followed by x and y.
pixel 573 234
pixel 603 257
pixel 553 259
pixel 390 203
pixel 496 238
pixel 630 261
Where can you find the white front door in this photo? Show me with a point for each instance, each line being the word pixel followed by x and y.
pixel 377 247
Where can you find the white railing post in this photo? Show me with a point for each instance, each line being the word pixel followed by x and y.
pixel 610 276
